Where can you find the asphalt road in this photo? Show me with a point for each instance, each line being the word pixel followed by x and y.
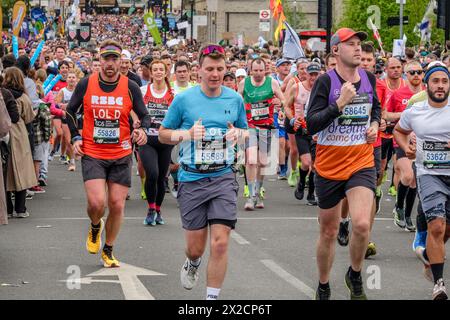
pixel 271 256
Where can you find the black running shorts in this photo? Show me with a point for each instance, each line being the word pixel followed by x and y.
pixel 331 192
pixel 117 170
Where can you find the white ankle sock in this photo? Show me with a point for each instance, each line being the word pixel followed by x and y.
pixel 212 293
pixel 195 263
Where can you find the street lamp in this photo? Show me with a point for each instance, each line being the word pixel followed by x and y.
pixel 192 20
pixel 295 14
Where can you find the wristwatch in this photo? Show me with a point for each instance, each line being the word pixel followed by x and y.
pixel 76 138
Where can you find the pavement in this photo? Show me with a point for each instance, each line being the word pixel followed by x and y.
pixel 271 253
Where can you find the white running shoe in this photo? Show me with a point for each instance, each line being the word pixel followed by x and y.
pixel 439 291
pixel 250 204
pixel 426 264
pixel 22 215
pixel 188 275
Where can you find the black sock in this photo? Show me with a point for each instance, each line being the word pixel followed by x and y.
pixel 401 195
pixel 421 222
pixel 438 271
pixel 311 184
pixel 392 178
pixel 106 247
pixel 96 226
pixel 354 274
pixel 324 286
pixel 410 198
pixel 303 175
pixel 425 255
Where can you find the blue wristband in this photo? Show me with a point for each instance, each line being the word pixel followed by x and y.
pixel 76 138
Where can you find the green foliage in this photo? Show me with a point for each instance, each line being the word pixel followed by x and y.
pixel 7 4
pixel 356 15
pixel 295 17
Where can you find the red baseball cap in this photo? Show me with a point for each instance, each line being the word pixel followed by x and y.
pixel 345 34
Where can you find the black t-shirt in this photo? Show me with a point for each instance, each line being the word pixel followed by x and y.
pixel 134 77
pixel 321 114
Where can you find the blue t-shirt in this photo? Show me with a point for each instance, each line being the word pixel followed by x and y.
pixel 186 109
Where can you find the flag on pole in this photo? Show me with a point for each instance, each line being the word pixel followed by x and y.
pixel 376 35
pixel 151 25
pixel 278 13
pixel 292 48
pixel 425 25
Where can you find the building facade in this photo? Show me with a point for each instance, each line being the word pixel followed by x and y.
pixel 226 19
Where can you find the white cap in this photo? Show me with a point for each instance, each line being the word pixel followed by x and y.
pixel 241 73
pixel 126 55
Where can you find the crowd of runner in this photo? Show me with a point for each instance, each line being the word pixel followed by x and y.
pixel 336 126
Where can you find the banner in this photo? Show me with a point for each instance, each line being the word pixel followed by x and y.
pixel 15 45
pixel 19 12
pixel 84 32
pixel 38 15
pixel 151 25
pixel 37 53
pixel 72 34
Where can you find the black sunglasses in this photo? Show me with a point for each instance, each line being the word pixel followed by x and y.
pixel 413 72
pixel 379 72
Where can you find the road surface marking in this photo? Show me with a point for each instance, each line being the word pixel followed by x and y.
pixel 238 238
pixel 289 278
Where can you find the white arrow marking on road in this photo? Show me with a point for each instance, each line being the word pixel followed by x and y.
pixel 132 287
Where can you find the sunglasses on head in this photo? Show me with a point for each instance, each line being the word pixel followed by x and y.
pixel 413 72
pixel 213 49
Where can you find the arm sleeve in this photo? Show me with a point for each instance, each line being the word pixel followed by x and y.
pixel 74 106
pixel 138 104
pixel 320 113
pixel 376 107
pixel 50 98
pixel 11 105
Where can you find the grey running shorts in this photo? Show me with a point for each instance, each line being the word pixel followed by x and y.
pixel 208 201
pixel 434 193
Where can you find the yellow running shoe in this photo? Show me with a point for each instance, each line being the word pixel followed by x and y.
pixel 94 239
pixel 392 191
pixel 292 179
pixel 109 261
pixel 246 191
pixel 371 250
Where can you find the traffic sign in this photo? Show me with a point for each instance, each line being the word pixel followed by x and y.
pixel 264 15
pixel 395 21
pixel 264 26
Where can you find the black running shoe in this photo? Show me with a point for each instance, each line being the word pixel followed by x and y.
pixel 344 234
pixel 355 287
pixel 311 200
pixel 299 192
pixel 323 294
